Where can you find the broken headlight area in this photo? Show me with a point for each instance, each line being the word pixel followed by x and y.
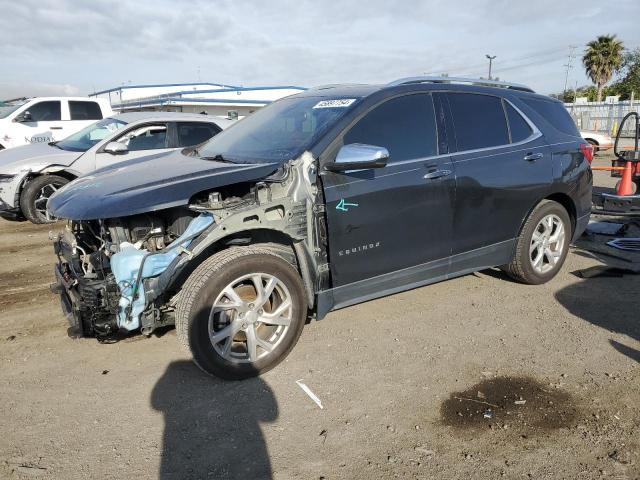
pixel 103 267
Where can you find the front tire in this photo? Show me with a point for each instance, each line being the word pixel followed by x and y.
pixel 543 244
pixel 35 196
pixel 241 312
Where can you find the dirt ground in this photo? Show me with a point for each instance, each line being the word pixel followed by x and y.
pixel 477 377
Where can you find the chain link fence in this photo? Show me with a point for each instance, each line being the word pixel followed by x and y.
pixel 603 117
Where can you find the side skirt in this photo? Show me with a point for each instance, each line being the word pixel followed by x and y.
pixel 414 277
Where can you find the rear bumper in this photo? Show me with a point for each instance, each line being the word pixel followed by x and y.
pixel 581 226
pixel 609 204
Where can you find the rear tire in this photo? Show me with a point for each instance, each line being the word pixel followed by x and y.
pixel 218 328
pixel 543 244
pixel 35 196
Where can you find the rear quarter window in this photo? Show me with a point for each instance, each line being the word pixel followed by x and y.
pixel 554 113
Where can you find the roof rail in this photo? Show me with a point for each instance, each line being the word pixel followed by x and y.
pixel 470 81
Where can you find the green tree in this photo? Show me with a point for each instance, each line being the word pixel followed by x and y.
pixel 602 57
pixel 628 76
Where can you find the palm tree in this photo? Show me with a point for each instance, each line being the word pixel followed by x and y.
pixel 602 57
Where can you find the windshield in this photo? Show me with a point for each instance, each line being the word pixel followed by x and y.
pixel 7 109
pixel 89 136
pixel 280 131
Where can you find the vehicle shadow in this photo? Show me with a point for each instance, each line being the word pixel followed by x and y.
pixel 212 427
pixel 610 303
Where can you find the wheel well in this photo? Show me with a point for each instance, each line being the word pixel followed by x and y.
pixel 568 204
pixel 279 242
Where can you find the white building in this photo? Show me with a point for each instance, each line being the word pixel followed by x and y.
pixel 212 98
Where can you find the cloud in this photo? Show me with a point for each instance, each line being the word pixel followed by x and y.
pixel 101 44
pixel 18 90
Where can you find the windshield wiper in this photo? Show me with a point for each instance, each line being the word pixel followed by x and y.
pixel 218 158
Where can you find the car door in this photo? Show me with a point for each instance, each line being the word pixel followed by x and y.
pixel 42 123
pixel 503 168
pixel 390 227
pixel 141 140
pixel 82 113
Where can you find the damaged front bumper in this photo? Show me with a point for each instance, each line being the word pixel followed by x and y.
pixel 10 186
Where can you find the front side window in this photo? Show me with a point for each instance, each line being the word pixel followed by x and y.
pixel 194 133
pixel 45 111
pixel 84 110
pixel 479 121
pixel 91 135
pixel 147 137
pixel 405 126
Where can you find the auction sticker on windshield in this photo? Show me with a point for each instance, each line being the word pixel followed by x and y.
pixel 337 103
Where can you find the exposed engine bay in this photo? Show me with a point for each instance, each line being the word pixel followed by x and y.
pixel 122 275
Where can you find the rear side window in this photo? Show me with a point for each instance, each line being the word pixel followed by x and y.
pixel 45 111
pixel 518 127
pixel 84 110
pixel 555 114
pixel 194 133
pixel 405 126
pixel 479 121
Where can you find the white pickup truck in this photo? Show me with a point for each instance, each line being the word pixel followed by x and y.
pixel 47 119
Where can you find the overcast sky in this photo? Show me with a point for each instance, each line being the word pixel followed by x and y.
pixel 76 47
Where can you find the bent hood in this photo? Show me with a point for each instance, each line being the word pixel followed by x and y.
pixel 34 157
pixel 148 184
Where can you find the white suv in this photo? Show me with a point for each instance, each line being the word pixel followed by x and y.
pixel 47 119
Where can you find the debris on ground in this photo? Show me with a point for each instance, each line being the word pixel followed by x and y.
pixel 308 391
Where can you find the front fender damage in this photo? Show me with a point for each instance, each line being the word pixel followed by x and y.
pixel 287 203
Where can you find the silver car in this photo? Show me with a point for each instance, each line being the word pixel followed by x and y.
pixel 29 175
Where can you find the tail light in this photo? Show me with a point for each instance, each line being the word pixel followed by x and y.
pixel 587 151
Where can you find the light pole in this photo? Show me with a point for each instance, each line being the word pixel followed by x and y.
pixel 490 63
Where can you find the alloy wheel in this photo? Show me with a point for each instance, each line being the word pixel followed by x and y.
pixel 547 243
pixel 250 317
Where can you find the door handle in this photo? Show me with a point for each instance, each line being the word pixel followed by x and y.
pixel 55 128
pixel 437 174
pixel 532 157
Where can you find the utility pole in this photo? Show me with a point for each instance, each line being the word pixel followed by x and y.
pixel 569 67
pixel 491 58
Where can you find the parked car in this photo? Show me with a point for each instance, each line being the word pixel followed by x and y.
pixel 47 119
pixel 321 200
pixel 599 141
pixel 29 175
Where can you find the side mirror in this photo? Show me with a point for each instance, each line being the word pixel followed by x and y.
pixel 23 117
pixel 358 156
pixel 116 148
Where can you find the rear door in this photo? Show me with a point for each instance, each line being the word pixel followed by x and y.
pixel 390 227
pixel 503 168
pixel 141 140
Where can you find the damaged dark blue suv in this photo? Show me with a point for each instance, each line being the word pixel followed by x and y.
pixel 321 200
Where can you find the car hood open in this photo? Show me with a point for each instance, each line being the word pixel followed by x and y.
pixel 148 184
pixel 35 157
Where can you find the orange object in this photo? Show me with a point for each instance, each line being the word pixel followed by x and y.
pixel 608 169
pixel 625 186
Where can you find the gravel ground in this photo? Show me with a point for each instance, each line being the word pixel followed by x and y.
pixel 477 377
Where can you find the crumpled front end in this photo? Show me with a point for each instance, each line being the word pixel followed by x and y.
pixel 104 266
